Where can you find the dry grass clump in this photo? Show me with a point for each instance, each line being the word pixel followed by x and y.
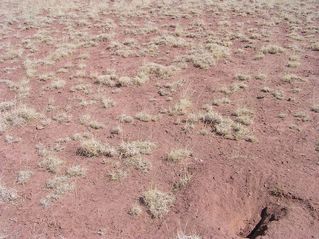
pixel 57 84
pixel 157 202
pixel 265 89
pixel 153 69
pixel 218 102
pixel 180 108
pixel 169 88
pixel 260 77
pixel 182 235
pixel 51 163
pixel 225 126
pixel 89 122
pixel 125 81
pixel 178 155
pixel 6 105
pixel 62 117
pixel 278 94
pixel 76 171
pixel 92 148
pixel 135 148
pixel 7 194
pixel 125 49
pixel 139 163
pixel 22 88
pixel 244 116
pixel 301 116
pixel 85 102
pixel 293 61
pixel 24 176
pixel 291 78
pixel 145 117
pixel 135 210
pixel 242 77
pixel 282 115
pixel 117 175
pixel 170 40
pixel 112 80
pixel 315 108
pixel 293 64
pixel 107 102
pixel 59 185
pixel 272 49
pixel 233 88
pixel 11 139
pixel 202 59
pixel 182 182
pixel 18 116
pixel 116 130
pixel 315 46
pixel 123 118
pixel 107 80
pixel 205 57
pixel 85 88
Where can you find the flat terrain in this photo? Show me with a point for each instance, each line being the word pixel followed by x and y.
pixel 159 119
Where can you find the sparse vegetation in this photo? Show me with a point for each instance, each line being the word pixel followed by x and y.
pixel 88 121
pixel 7 194
pixel 181 235
pixel 315 108
pixel 315 46
pixel 158 202
pixel 59 185
pixel 221 101
pixel 107 102
pixel 92 147
pixel 145 117
pixel 244 116
pixel 51 163
pixel 17 116
pixel 291 78
pixel 135 148
pixel 24 176
pixel 139 163
pixel 227 127
pixel 125 118
pixel 272 49
pixel 76 171
pixel 301 116
pixel 182 182
pixel 278 94
pixel 178 155
pixel 135 210
pixel 117 175
pixel 116 130
pixel 102 100
pixel 180 107
pixel 242 77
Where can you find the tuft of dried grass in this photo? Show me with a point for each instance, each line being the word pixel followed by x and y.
pixel 135 148
pixel 51 163
pixel 24 176
pixel 76 171
pixel 92 148
pixel 7 194
pixel 178 155
pixel 158 202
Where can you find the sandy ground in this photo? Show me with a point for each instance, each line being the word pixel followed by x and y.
pixel 253 55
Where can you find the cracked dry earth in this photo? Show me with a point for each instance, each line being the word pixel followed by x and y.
pixel 159 119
